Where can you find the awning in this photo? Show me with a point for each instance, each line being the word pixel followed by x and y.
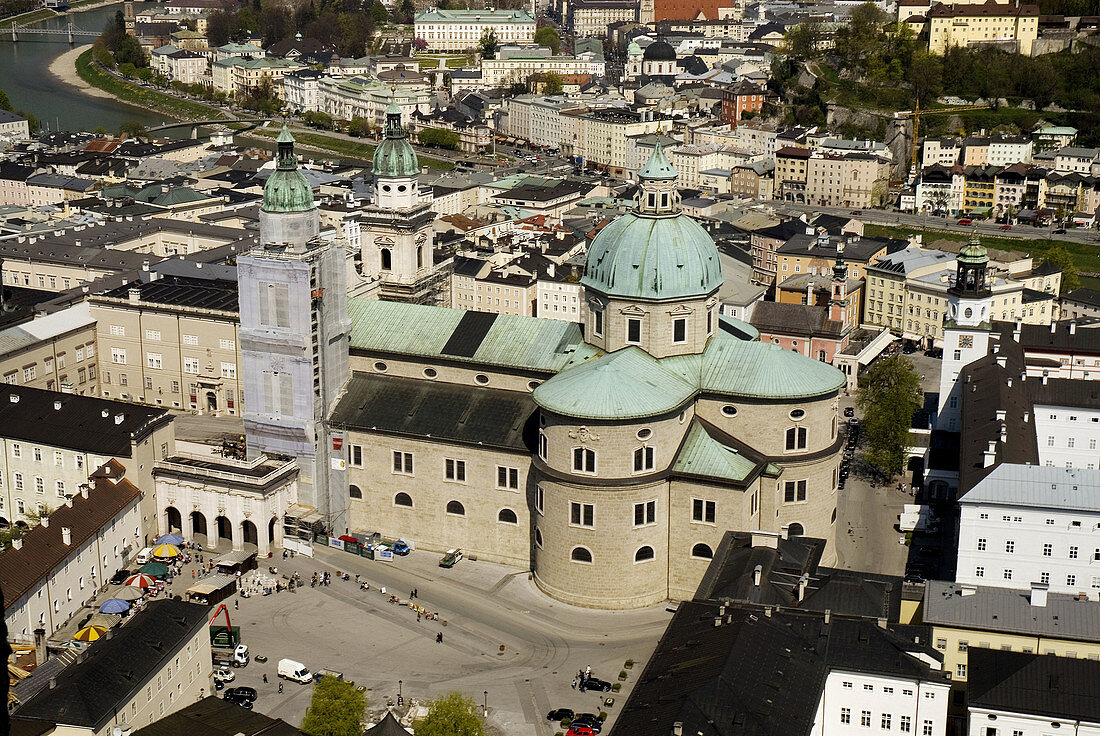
pixel 211 584
pixel 234 557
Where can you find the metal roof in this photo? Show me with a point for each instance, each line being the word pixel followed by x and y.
pixel 701 454
pixel 1072 489
pixel 1009 611
pixel 626 384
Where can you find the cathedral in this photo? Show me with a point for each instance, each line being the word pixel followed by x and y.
pixel 607 457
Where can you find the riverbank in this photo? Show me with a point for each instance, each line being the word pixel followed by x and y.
pixel 64 68
pixel 37 16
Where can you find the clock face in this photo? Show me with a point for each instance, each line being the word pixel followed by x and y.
pixel 966 341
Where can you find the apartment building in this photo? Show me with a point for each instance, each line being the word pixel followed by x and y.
pixel 459 30
pixel 816 253
pixel 791 166
pixel 53 352
pixel 478 286
pixel 50 572
pixel 851 180
pixel 1013 26
pixel 753 180
pixel 519 65
pixel 52 442
pixel 590 18
pixel 345 98
pixel 239 74
pixel 606 137
pixel 153 666
pixel 179 65
pixel 172 342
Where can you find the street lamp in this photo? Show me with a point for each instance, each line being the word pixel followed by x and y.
pixel 485 703
pixel 400 698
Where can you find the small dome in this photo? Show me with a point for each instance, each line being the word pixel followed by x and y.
pixel 659 51
pixel 633 49
pixel 974 252
pixel 394 157
pixel 287 190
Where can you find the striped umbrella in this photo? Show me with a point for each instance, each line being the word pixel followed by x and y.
pixel 141 581
pixel 128 594
pixel 166 552
pixel 90 633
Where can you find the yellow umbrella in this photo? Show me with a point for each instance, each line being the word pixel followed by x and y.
pixel 90 633
pixel 165 551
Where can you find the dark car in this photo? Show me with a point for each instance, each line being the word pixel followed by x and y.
pixel 244 693
pixel 232 697
pixel 849 411
pixel 595 683
pixel 1060 231
pixel 560 714
pixel 120 577
pixel 591 720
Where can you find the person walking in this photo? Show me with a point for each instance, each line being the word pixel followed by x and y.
pixel 439 638
pixel 280 688
pixel 418 616
pixel 265 678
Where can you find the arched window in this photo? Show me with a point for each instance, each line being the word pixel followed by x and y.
pixel 643 554
pixel 584 460
pixel 796 438
pixel 420 256
pixel 387 259
pixel 795 530
pixel 581 554
pixel 354 492
pixel 702 551
pixel 538 537
pixel 643 459
pixel 403 499
pixel 507 516
pixel 454 507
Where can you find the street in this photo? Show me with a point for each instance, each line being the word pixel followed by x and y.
pixel 500 636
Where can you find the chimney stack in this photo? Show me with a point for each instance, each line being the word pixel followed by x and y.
pixel 803 582
pixel 1073 327
pixel 66 536
pixel 756 574
pixel 17 543
pixel 45 519
pixel 1039 594
pixel 40 646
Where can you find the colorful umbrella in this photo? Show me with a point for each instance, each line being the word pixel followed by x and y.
pixel 114 605
pixel 166 552
pixel 171 538
pixel 156 569
pixel 128 594
pixel 90 633
pixel 140 581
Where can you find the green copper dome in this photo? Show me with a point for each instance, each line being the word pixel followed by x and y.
pixel 656 251
pixel 287 190
pixel 394 157
pixel 974 252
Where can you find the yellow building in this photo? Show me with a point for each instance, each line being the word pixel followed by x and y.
pixel 969 25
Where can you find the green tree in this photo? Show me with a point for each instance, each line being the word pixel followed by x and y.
pixel 5 103
pixel 359 126
pixel 926 75
pixel 438 137
pixel 888 397
pixel 803 41
pixel 408 10
pixel 133 129
pixel 548 36
pixel 488 44
pixel 452 714
pixel 335 710
pixel 128 51
pixel 378 12
pixel 1060 257
pixel 553 83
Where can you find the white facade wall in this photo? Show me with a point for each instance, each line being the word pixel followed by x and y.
pixel 559 300
pixel 987 532
pixel 1068 437
pixel 465 33
pixel 1006 154
pixel 1004 723
pixel 858 704
pixel 59 595
pixel 301 93
pixel 496 72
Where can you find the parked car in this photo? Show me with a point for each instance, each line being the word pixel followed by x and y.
pixel 224 674
pixel 401 547
pixel 451 558
pixel 239 700
pixel 1060 231
pixel 244 693
pixel 849 411
pixel 590 720
pixel 120 577
pixel 966 221
pixel 560 714
pixel 580 731
pixel 595 683
pixel 1006 227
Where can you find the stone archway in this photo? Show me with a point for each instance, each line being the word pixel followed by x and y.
pixel 173 520
pixel 224 535
pixel 250 538
pixel 198 527
pixel 271 530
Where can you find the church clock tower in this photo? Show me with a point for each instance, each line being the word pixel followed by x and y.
pixel 966 330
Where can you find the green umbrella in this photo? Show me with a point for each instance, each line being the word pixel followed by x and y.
pixel 155 569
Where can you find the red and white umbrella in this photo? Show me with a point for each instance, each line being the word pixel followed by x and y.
pixel 141 581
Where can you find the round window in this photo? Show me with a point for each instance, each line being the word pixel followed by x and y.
pixel 729 410
pixel 645 434
pixel 401 188
pixel 532 385
pixel 430 373
pixel 380 367
pixel 683 416
pixel 481 378
pixel 797 413
pixel 968 313
pixel 385 187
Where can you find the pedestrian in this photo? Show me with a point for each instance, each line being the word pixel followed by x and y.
pixel 416 592
pixel 412 593
pixel 280 688
pixel 574 683
pixel 587 670
pixel 439 638
pixel 192 574
pixel 265 678
pixel 418 616
pixel 236 605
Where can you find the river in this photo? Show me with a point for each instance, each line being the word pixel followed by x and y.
pixel 25 76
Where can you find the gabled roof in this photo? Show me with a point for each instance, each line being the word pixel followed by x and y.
pixel 705 456
pixel 213 716
pixel 388 726
pixel 1034 684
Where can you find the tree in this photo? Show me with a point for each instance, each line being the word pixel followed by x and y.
pixel 5 103
pixel 451 715
pixel 926 75
pixel 889 395
pixel 803 42
pixel 408 10
pixel 221 27
pixel 128 51
pixel 359 126
pixel 335 710
pixel 548 36
pixel 552 83
pixel 1060 257
pixel 133 129
pixel 378 12
pixel 438 137
pixel 488 44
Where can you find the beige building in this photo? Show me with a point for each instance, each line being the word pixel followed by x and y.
pixel 239 74
pixel 54 352
pixel 590 18
pixel 1012 25
pixel 852 180
pixel 610 461
pixel 518 66
pixel 460 30
pixel 172 342
pixel 606 137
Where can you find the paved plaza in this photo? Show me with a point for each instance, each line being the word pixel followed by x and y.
pixel 500 636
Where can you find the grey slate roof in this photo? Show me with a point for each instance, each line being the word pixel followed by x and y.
pixel 1036 684
pixel 213 716
pixel 1009 610
pixel 1035 485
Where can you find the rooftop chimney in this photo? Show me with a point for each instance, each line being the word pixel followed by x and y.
pixel 1039 594
pixel 765 539
pixel 40 646
pixel 1073 327
pixel 828 615
pixel 45 520
pixel 118 418
pixel 83 490
pixel 17 543
pixel 990 455
pixel 803 582
pixel 53 683
pixel 1044 379
pixel 757 572
pixel 57 406
pixel 1053 327
pixel 678 729
pixel 13 398
pixel 1001 414
pixel 1002 361
pixel 66 536
pixel 135 295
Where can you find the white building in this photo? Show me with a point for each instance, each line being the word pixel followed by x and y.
pixel 49 573
pixel 459 30
pixel 556 298
pixel 301 89
pixel 519 65
pixel 345 98
pixel 1025 524
pixel 1017 694
pixel 854 701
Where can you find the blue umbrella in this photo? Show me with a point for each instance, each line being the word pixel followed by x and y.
pixel 114 605
pixel 172 538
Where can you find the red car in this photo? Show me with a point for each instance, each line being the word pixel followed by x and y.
pixel 965 221
pixel 580 731
pixel 1006 227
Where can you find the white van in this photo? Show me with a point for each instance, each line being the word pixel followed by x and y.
pixel 144 556
pixel 296 671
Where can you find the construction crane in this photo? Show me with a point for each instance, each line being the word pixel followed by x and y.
pixel 916 114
